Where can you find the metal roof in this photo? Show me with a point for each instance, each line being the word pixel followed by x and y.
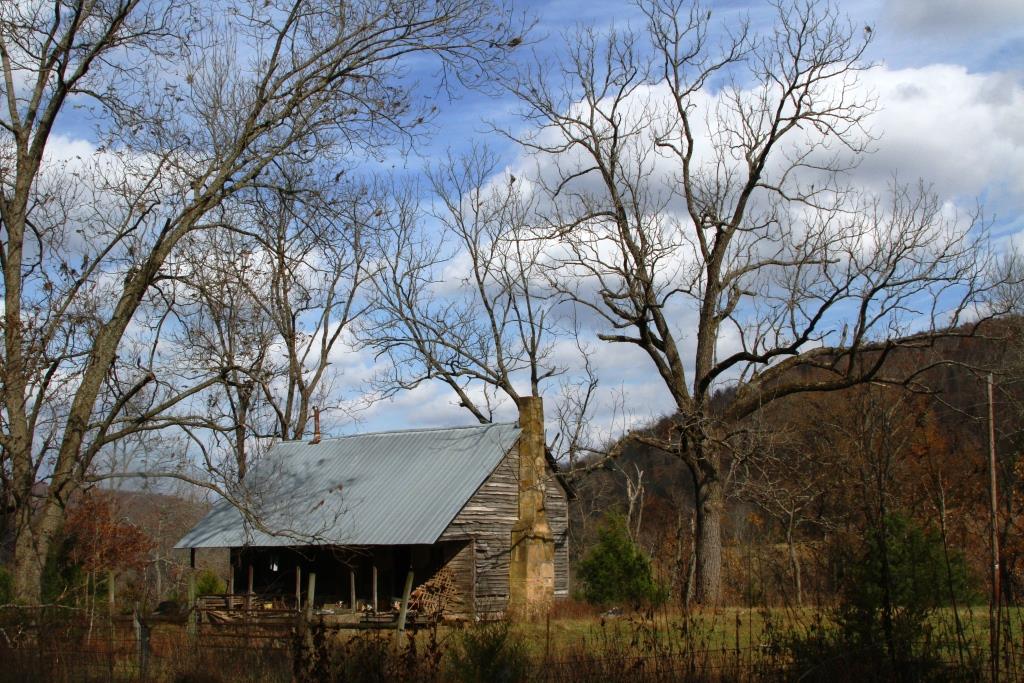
pixel 388 488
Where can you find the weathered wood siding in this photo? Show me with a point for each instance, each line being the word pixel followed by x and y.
pixel 460 559
pixel 488 518
pixel 556 505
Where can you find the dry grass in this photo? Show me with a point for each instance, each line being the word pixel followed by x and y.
pixel 575 643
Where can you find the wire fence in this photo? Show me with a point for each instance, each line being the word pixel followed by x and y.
pixel 63 645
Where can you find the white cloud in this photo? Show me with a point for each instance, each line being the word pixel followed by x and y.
pixel 962 131
pixel 61 148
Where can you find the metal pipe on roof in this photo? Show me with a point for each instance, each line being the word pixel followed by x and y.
pixel 316 425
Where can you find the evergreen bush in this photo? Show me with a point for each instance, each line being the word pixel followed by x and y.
pixel 489 653
pixel 882 628
pixel 616 570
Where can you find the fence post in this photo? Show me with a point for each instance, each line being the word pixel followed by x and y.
pixel 248 594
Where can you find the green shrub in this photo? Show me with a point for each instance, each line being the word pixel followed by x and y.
pixel 897 580
pixel 489 653
pixel 208 583
pixel 882 627
pixel 616 570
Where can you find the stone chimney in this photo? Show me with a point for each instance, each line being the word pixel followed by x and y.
pixel 532 565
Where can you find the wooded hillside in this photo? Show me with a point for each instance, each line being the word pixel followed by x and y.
pixel 822 471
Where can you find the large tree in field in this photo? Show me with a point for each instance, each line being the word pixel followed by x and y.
pixel 698 189
pixel 192 104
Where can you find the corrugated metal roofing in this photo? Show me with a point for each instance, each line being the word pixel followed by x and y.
pixel 389 488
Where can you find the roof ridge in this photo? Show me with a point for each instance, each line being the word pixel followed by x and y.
pixel 410 430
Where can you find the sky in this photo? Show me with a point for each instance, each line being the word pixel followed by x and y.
pixel 949 76
pixel 983 37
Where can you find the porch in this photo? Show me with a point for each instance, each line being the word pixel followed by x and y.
pixel 368 581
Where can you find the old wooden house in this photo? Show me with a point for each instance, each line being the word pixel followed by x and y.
pixel 478 514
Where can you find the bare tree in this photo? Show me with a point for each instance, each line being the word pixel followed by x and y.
pixel 1009 406
pixel 635 500
pixel 701 196
pixel 222 331
pixel 491 332
pixel 877 437
pixel 269 300
pixel 787 478
pixel 193 103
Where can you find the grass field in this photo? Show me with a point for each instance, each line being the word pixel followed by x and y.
pixel 573 644
pixel 741 628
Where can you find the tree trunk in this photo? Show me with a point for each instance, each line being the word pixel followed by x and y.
pixel 241 420
pixel 32 540
pixel 691 580
pixel 710 506
pixel 160 580
pixel 794 562
pixel 27 569
pixel 691 564
pixel 677 564
pixel 241 457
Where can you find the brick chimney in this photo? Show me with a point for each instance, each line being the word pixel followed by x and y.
pixel 532 565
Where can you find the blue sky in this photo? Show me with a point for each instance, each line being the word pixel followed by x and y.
pixel 982 36
pixel 950 81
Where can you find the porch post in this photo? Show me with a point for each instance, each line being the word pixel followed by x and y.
pixel 311 595
pixel 405 601
pixel 248 593
pixel 375 587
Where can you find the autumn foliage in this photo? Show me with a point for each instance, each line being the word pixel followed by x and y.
pixel 821 473
pixel 99 539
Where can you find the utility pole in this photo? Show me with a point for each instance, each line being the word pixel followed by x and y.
pixel 994 604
